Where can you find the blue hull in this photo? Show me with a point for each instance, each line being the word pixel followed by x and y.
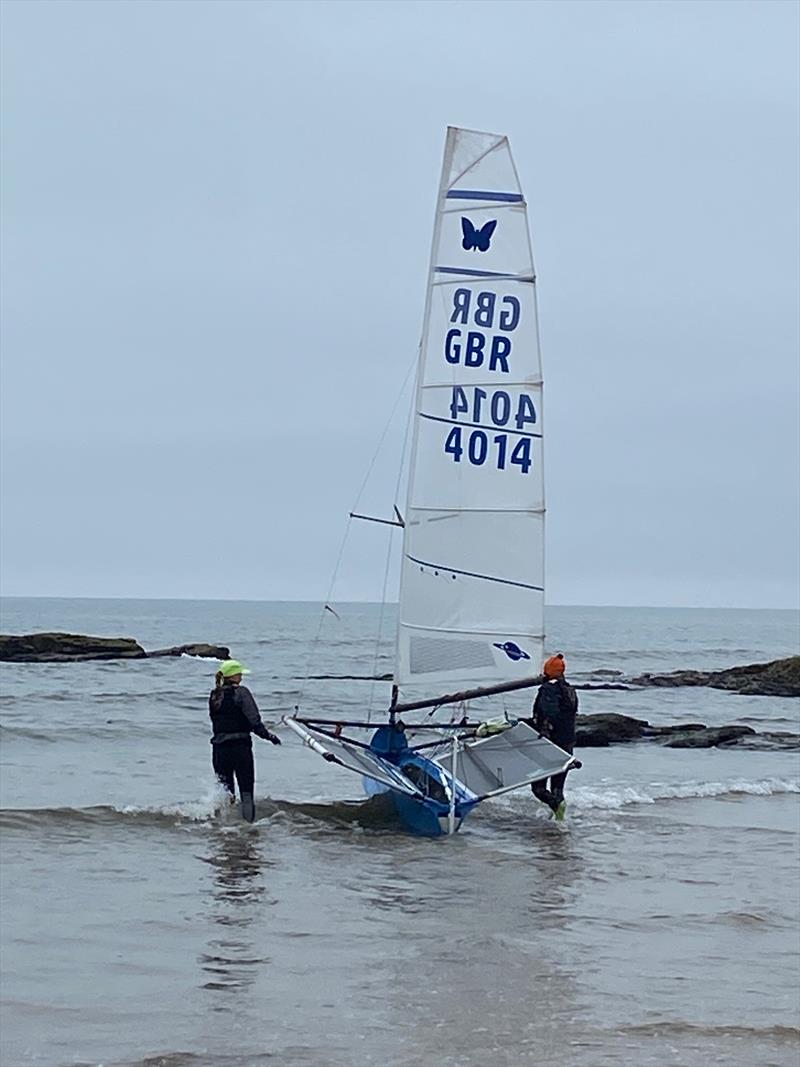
pixel 428 815
pixel 424 818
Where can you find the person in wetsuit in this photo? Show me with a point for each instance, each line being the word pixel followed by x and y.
pixel 554 711
pixel 234 717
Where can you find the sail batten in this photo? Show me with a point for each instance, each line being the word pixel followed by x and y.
pixel 475 488
pixel 469 194
pixel 452 630
pixel 476 425
pixel 463 272
pixel 473 574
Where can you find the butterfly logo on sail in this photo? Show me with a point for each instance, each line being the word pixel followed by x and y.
pixel 514 652
pixel 477 239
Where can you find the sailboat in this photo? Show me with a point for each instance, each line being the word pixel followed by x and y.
pixel 471 605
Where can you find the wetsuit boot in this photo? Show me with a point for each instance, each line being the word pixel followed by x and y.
pixel 559 805
pixel 248 807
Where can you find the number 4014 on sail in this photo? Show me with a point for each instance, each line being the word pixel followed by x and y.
pixel 497 406
pixel 478 449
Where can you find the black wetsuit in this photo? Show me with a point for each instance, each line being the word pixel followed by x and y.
pixel 234 717
pixel 554 713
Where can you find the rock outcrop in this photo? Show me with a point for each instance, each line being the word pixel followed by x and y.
pixel 708 737
pixel 206 651
pixel 598 731
pixel 66 648
pixel 75 648
pixel 778 678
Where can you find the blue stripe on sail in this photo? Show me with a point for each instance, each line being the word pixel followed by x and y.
pixel 472 574
pixel 477 425
pixel 484 273
pixel 477 194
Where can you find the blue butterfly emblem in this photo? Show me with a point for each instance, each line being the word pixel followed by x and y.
pixel 514 652
pixel 477 239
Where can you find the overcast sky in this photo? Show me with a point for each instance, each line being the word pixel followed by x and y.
pixel 217 222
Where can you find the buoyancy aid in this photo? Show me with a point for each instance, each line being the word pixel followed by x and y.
pixel 554 712
pixel 227 717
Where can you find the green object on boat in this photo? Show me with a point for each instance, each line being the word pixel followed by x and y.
pixel 493 726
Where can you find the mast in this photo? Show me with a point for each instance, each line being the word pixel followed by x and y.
pixel 467 694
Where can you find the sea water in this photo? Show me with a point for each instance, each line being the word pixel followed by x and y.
pixel 144 924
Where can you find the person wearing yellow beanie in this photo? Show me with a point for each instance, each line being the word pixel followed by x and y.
pixel 234 717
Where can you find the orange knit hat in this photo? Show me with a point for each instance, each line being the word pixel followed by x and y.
pixel 554 667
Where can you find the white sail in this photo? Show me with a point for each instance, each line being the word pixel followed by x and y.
pixel 472 578
pixel 510 760
pixel 354 757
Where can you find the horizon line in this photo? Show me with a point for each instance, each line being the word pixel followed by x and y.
pixel 258 600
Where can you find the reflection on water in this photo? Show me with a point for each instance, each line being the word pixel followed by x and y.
pixel 557 869
pixel 238 897
pixel 478 940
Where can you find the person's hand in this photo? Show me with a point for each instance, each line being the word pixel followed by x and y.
pixel 273 738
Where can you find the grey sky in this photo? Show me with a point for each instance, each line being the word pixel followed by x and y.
pixel 217 221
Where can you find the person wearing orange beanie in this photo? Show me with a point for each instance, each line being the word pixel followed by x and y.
pixel 555 666
pixel 554 711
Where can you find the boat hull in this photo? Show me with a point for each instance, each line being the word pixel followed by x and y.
pixel 427 815
pixel 425 818
pixel 422 817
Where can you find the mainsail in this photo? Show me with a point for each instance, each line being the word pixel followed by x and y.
pixel 472 578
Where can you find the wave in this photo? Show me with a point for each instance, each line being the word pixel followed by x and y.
pixel 376 813
pixel 677 1028
pixel 111 730
pixel 191 811
pixel 80 696
pixel 680 653
pixel 588 797
pixel 215 807
pixel 7 732
pixel 196 1059
pixel 776 1034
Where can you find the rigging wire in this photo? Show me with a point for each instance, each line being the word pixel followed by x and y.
pixel 312 651
pixel 385 431
pixel 310 657
pixel 387 566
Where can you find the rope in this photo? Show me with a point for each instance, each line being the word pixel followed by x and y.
pixel 388 562
pixel 311 656
pixel 385 432
pixel 315 642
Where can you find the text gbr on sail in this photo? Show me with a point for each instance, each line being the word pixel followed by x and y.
pixel 487 309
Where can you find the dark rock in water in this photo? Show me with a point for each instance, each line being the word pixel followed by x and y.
pixel 682 728
pixel 66 648
pixel 778 678
pixel 75 648
pixel 709 737
pixel 666 731
pixel 597 731
pixel 350 677
pixel 601 685
pixel 206 651
pixel 673 680
pixel 602 672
